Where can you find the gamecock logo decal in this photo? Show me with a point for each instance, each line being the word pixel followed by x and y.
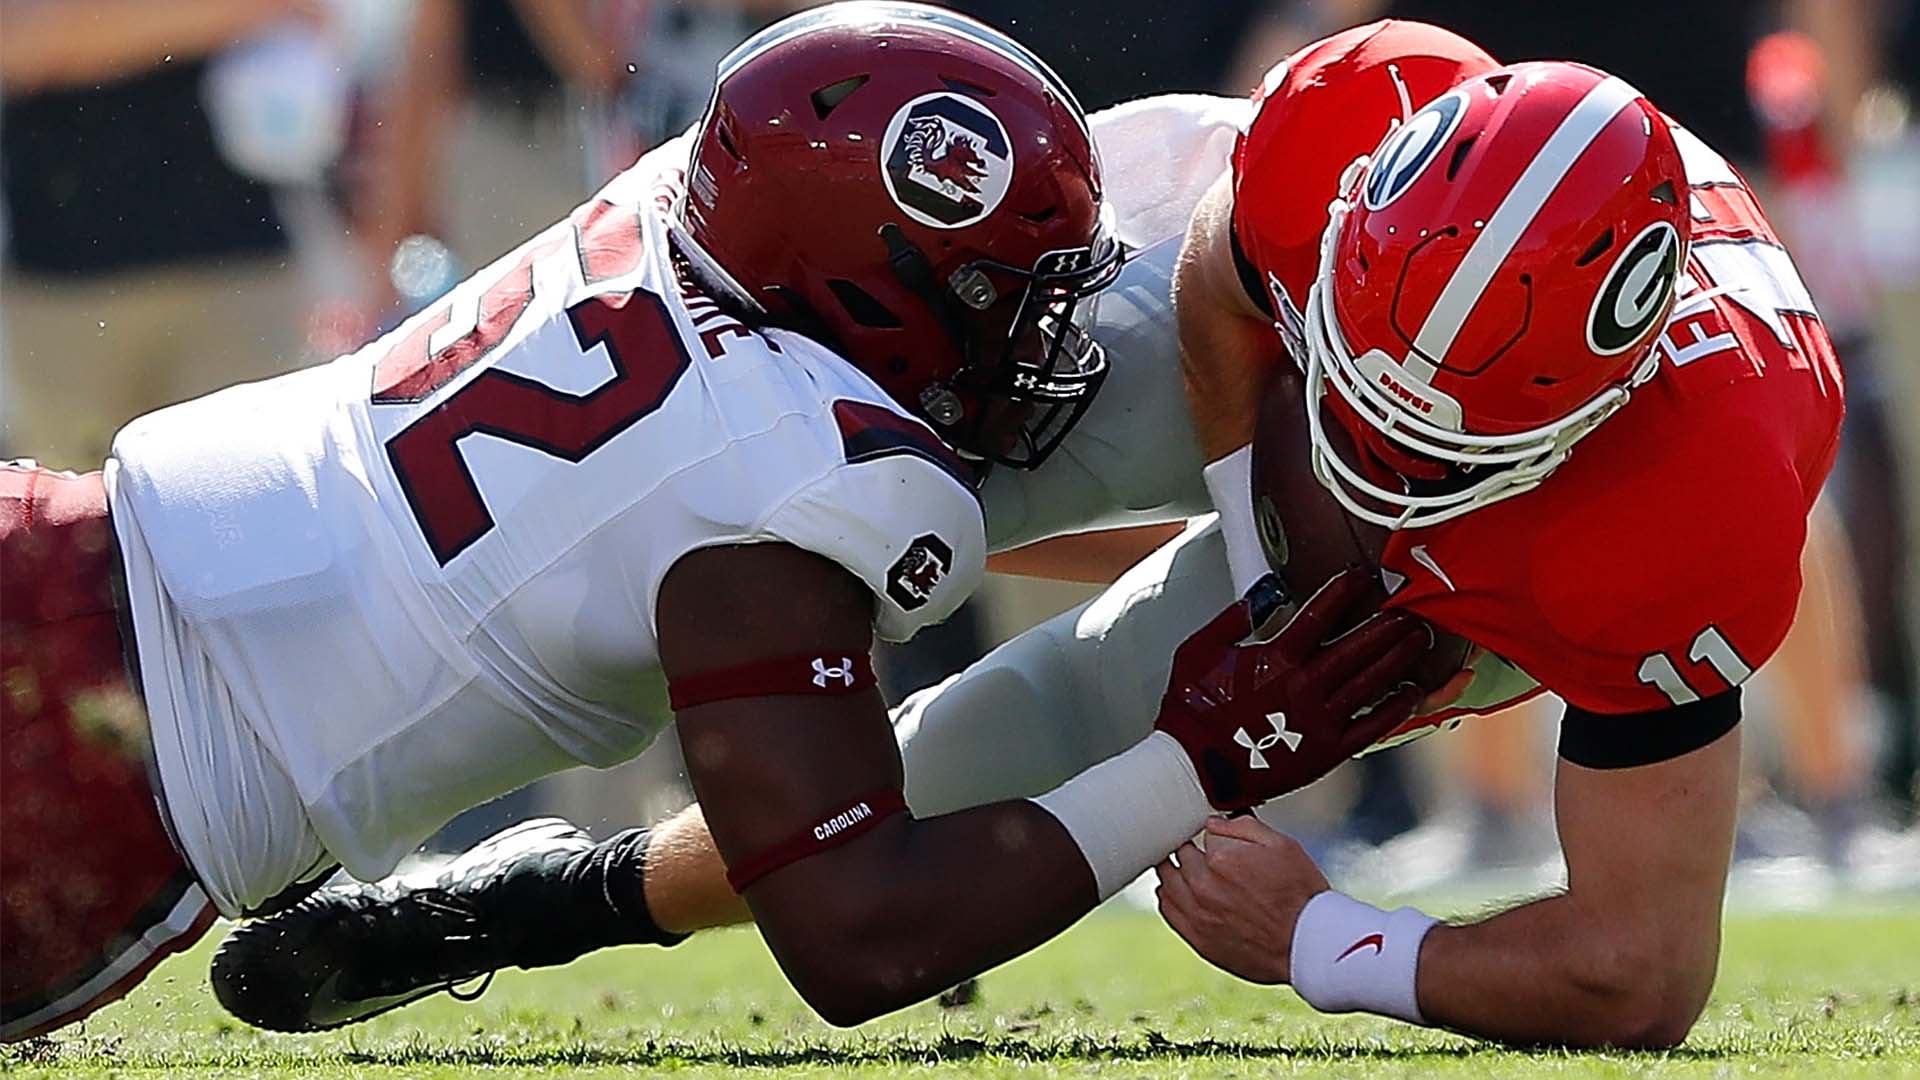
pixel 946 160
pixel 914 576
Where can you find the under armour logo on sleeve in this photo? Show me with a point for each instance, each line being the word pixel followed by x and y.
pixel 1256 751
pixel 821 672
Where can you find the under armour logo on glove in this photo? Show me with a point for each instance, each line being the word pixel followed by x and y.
pixel 1256 751
pixel 821 672
pixel 1340 674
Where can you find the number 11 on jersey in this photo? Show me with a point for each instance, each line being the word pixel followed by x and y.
pixel 1658 669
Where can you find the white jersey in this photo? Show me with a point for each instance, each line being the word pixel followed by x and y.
pixel 372 594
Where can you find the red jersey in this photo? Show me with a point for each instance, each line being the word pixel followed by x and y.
pixel 1660 564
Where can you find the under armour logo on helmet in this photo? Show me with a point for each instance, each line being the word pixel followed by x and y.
pixel 821 672
pixel 1256 756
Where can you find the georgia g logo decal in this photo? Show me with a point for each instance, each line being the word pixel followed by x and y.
pixel 1410 148
pixel 1637 292
pixel 946 160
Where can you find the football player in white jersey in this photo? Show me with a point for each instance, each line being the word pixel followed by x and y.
pixel 1029 716
pixel 680 455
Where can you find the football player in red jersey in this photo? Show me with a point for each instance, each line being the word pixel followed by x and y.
pixel 676 459
pixel 1549 341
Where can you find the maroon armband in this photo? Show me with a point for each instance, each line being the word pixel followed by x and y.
pixel 801 673
pixel 835 829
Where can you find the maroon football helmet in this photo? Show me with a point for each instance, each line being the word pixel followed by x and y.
pixel 920 192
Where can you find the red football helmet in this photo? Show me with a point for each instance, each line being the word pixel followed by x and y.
pixel 1491 287
pixel 920 192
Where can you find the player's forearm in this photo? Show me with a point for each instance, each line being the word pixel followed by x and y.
pixel 918 906
pixel 1094 558
pixel 394 193
pixel 1227 349
pixel 1547 972
pixel 581 51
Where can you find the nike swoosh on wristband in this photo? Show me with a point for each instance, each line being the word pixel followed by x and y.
pixel 1377 941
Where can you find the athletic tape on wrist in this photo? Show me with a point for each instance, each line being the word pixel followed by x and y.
pixel 800 673
pixel 1131 810
pixel 1350 956
pixel 1230 484
pixel 842 825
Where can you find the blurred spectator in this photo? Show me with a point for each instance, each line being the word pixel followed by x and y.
pixel 142 267
pixel 469 140
pixel 673 50
pixel 1876 108
pixel 503 115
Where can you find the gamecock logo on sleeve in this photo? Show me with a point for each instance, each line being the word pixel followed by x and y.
pixel 918 572
pixel 946 160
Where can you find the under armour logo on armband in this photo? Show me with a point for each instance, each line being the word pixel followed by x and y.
pixel 821 672
pixel 1256 751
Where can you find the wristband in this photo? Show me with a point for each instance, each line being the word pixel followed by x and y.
pixel 1230 484
pixel 1350 956
pixel 1131 810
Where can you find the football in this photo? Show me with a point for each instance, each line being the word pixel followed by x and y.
pixel 1306 534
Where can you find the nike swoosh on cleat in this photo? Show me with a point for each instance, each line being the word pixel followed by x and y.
pixel 327 1009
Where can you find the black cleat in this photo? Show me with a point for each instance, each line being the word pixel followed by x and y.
pixel 350 952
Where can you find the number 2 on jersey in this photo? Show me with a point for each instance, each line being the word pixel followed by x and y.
pixel 635 329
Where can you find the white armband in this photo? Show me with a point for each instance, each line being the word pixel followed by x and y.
pixel 1353 957
pixel 1230 484
pixel 1131 810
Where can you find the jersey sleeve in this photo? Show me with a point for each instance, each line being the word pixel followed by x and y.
pixel 1669 588
pixel 900 523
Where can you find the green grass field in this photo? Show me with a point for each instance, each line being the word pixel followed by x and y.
pixel 1800 996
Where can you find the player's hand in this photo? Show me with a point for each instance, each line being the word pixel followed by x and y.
pixel 1264 718
pixel 1236 902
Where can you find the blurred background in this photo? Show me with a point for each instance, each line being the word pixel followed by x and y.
pixel 200 192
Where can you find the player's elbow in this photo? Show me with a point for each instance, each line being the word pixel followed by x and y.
pixel 838 997
pixel 849 982
pixel 846 962
pixel 1644 1020
pixel 1638 994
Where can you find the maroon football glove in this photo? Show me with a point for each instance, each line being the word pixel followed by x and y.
pixel 1265 718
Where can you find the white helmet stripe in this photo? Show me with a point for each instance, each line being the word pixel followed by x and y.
pixel 1510 221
